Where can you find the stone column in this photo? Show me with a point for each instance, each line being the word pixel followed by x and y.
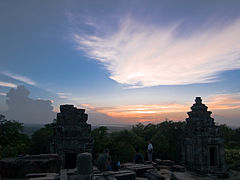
pixel 84 166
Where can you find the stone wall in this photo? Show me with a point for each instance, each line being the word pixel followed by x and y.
pixel 19 167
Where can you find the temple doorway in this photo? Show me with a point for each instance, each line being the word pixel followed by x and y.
pixel 70 160
pixel 213 156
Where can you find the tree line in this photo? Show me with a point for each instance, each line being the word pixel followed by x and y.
pixel 166 138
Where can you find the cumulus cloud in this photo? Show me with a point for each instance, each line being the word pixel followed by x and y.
pixel 20 78
pixel 27 110
pixel 7 84
pixel 145 55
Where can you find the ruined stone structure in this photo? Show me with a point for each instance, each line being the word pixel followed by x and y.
pixel 203 148
pixel 72 135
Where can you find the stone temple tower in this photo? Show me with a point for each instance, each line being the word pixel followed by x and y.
pixel 203 147
pixel 72 135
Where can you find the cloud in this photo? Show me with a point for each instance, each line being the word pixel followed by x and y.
pixel 144 55
pixel 27 110
pixel 3 94
pixel 20 78
pixel 139 110
pixel 225 108
pixel 224 101
pixel 132 114
pixel 7 84
pixel 64 95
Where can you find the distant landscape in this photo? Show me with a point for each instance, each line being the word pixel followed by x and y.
pixel 29 129
pixel 121 140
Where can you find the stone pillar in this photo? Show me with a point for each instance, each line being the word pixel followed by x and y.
pixel 84 166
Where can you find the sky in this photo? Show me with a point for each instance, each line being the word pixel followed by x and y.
pixel 123 61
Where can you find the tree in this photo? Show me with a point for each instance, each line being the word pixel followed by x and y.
pixel 231 136
pixel 41 140
pixel 168 140
pixel 12 140
pixel 101 140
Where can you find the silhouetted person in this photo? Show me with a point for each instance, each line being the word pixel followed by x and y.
pixel 104 161
pixel 138 158
pixel 150 151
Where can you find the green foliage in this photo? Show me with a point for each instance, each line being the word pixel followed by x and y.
pixel 12 141
pixel 41 140
pixel 233 158
pixel 231 137
pixel 166 138
pixel 122 151
pixel 101 140
pixel 124 144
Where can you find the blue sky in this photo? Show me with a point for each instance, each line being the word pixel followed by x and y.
pixel 124 61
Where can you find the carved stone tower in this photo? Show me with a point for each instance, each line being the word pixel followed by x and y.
pixel 72 135
pixel 203 148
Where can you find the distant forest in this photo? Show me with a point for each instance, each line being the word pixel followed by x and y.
pixel 166 138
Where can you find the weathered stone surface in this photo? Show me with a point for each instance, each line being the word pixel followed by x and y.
pixel 72 135
pixel 165 167
pixel 154 175
pixel 80 177
pixel 160 175
pixel 36 176
pixel 139 169
pixel 84 164
pixel 19 167
pixel 178 168
pixel 203 147
pixel 167 174
pixel 120 175
pixel 164 162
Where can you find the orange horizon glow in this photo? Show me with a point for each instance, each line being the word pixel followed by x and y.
pixel 159 112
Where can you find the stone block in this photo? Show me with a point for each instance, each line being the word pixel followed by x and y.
pixel 120 175
pixel 154 175
pixel 165 167
pixel 139 169
pixel 165 162
pixel 178 168
pixel 19 167
pixel 84 164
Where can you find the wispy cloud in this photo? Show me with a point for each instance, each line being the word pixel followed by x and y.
pixel 20 78
pixel 145 55
pixel 159 112
pixel 139 110
pixel 142 113
pixel 224 101
pixel 64 95
pixel 3 94
pixel 7 84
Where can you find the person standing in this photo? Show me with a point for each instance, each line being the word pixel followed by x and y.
pixel 150 151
